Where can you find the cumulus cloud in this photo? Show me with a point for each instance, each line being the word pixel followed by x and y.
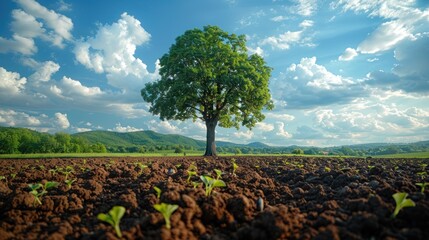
pixel 164 127
pixel 44 70
pixel 120 128
pixel 244 135
pixel 256 50
pixel 35 21
pixel 308 84
pixel 73 87
pixel 348 54
pixel 266 127
pixel 281 131
pixel 61 120
pixel 306 24
pixel 112 51
pixel 11 82
pixel 411 73
pixel 20 119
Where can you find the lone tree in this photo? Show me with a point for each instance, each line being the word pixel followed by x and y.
pixel 209 75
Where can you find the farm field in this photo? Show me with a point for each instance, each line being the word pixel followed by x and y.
pixel 267 197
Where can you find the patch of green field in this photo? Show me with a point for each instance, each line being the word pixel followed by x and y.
pixel 89 155
pixel 405 155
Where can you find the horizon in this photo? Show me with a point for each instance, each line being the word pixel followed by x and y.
pixel 344 73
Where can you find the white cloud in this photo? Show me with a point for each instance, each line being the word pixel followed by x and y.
pixel 305 7
pixel 244 135
pixel 120 128
pixel 256 50
pixel 278 18
pixel 18 44
pixel 128 110
pixel 284 41
pixel 62 120
pixel 281 131
pixel 410 73
pixel 385 37
pixel 44 70
pixel 306 24
pixel 348 54
pixel 26 26
pixel 280 116
pixel 309 84
pixel 61 25
pixel 11 82
pixel 63 6
pixel 112 51
pixel 164 127
pixel 73 87
pixel 19 119
pixel 372 59
pixel 266 127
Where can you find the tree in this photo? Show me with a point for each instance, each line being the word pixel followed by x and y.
pixel 298 151
pixel 209 75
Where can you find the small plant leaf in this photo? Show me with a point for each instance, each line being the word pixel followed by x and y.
pixel 219 183
pixel 401 201
pixel 49 185
pixel 166 210
pixel 113 218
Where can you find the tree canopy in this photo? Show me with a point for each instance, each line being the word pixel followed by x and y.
pixel 209 75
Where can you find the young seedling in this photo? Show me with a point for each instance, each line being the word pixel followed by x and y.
pixel 211 183
pixel 423 165
pixel 166 210
pixel 234 168
pixel 158 192
pixel 401 201
pixel 69 183
pixel 13 175
pixel 113 218
pixel 44 190
pixel 422 175
pixel 195 184
pixel 422 186
pixel 68 171
pixel 218 173
pixel 190 174
pixel 141 166
pixel 3 178
pixel 327 169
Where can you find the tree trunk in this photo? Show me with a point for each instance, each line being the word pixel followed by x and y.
pixel 210 140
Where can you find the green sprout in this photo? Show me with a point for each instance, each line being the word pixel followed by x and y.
pixel 3 178
pixel 401 202
pixel 234 167
pixel 69 183
pixel 158 192
pixel 195 184
pixel 67 171
pixel 370 167
pixel 218 173
pixel 423 165
pixel 422 186
pixel 327 169
pixel 190 174
pixel 211 183
pixel 141 166
pixel 113 218
pixel 44 190
pixel 422 174
pixel 13 175
pixel 166 210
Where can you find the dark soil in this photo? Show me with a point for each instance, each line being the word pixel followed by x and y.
pixel 304 198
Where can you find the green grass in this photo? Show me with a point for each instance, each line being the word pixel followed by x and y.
pixel 88 155
pixel 405 155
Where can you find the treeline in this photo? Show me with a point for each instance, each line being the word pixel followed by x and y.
pixel 20 140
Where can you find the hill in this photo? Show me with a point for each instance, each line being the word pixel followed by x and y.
pixel 147 138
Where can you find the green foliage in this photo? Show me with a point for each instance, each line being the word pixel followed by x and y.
pixel 207 74
pixel 298 151
pixel 43 190
pixel 211 183
pixel 69 182
pixel 113 218
pixel 234 167
pixel 401 201
pixel 422 186
pixel 190 174
pixel 218 173
pixel 158 192
pixel 166 210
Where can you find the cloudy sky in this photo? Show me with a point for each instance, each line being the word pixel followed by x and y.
pixel 345 72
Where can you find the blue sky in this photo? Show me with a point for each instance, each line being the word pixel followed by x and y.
pixel 345 72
